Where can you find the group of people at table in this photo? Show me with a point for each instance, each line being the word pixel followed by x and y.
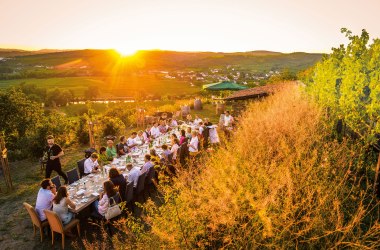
pixel 193 134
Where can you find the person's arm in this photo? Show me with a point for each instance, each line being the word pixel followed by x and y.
pixel 103 201
pixel 70 203
pixel 61 153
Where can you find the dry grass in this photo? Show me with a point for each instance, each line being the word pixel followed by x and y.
pixel 280 183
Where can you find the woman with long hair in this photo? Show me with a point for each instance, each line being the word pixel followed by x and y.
pixel 102 204
pixel 61 203
pixel 119 181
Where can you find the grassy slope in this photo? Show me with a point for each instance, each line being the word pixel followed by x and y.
pixel 123 86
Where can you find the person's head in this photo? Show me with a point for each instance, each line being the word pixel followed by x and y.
pixel 162 122
pixel 188 130
pixel 102 150
pixel 46 184
pixel 206 120
pixel 113 173
pixel 94 156
pixel 129 166
pixel 194 133
pixel 50 140
pixel 176 141
pixel 109 188
pixel 155 124
pixel 201 123
pixel 148 157
pixel 140 133
pixel 61 193
pixel 173 136
pixel 110 143
pixel 227 113
pixel 152 152
pixel 122 139
pixel 183 132
pixel 133 135
pixel 164 147
pixel 196 117
pixel 148 127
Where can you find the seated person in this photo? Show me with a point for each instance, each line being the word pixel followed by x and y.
pixel 155 131
pixel 119 181
pixel 188 118
pixel 111 150
pixel 148 164
pixel 174 148
pixel 131 142
pixel 197 120
pixel 133 175
pixel 101 205
pixel 163 127
pixel 91 164
pixel 103 159
pixel 45 198
pixel 166 152
pixel 121 147
pixel 140 138
pixel 183 137
pixel 188 133
pixel 154 157
pixel 61 204
pixel 173 123
pixel 146 134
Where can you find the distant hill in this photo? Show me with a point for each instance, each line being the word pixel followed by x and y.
pixel 50 63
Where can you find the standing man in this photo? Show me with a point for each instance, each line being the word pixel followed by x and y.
pixel 54 152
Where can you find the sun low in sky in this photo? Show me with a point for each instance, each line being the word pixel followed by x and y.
pixel 183 25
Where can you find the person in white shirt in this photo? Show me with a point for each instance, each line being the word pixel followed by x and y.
pixel 146 134
pixel 133 175
pixel 194 143
pixel 201 128
pixel 45 198
pixel 131 141
pixel 228 119
pixel 155 131
pixel 140 137
pixel 197 120
pixel 173 123
pixel 91 164
pixel 174 148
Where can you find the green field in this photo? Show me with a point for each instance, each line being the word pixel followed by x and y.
pixel 108 86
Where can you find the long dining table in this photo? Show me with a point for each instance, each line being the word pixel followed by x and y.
pixel 88 189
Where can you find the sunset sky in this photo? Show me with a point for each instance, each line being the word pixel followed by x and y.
pixel 184 25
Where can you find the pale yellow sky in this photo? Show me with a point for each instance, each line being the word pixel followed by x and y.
pixel 185 25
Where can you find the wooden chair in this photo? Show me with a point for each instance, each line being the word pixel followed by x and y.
pixel 36 220
pixel 57 226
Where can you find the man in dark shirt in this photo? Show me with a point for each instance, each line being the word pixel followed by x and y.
pixel 54 151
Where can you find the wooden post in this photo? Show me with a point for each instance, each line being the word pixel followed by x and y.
pixel 5 164
pixel 91 133
pixel 376 184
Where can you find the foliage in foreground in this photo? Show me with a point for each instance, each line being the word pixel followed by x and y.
pixel 347 83
pixel 281 182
